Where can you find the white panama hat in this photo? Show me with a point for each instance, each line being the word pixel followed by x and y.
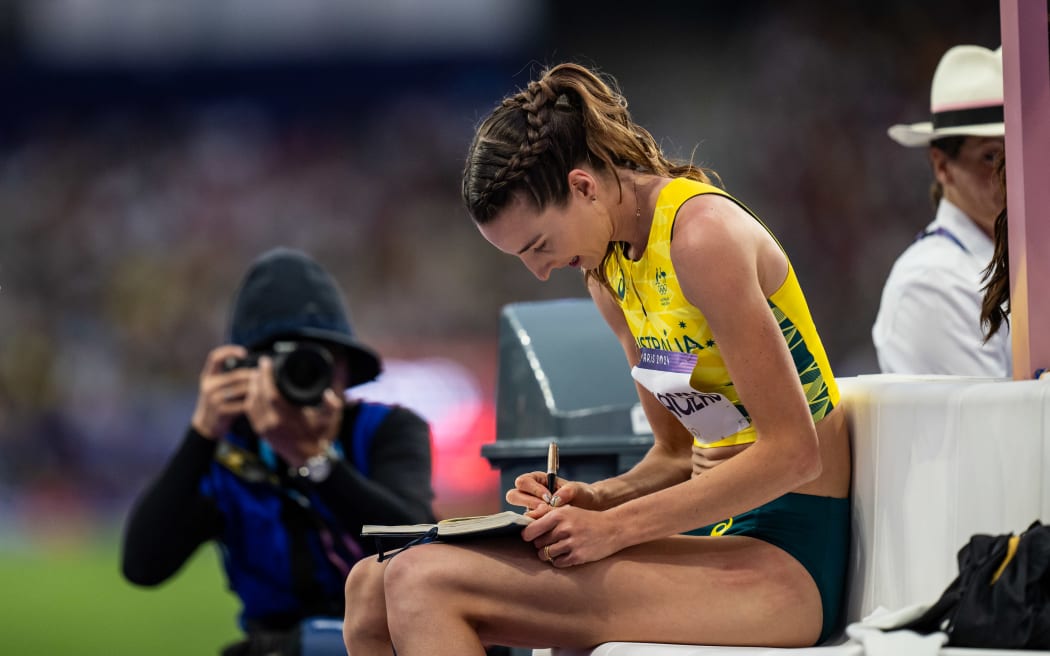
pixel 966 98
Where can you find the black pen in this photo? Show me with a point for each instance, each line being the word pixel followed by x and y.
pixel 552 468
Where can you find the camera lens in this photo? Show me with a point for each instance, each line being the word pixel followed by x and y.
pixel 303 373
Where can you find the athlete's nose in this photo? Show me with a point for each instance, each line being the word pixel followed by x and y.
pixel 540 269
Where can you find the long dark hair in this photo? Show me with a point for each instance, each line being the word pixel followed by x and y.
pixel 995 309
pixel 567 117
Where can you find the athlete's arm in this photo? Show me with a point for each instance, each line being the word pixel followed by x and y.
pixel 726 265
pixel 668 461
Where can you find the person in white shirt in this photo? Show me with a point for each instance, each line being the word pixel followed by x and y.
pixel 929 319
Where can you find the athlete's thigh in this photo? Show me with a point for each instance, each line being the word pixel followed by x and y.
pixel 725 590
pixel 716 590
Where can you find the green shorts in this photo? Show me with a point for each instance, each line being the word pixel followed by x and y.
pixel 814 530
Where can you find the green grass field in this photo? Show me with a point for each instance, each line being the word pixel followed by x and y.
pixel 73 600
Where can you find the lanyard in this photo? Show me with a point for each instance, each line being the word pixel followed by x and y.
pixel 943 232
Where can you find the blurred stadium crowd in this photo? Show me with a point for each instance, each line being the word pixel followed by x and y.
pixel 132 198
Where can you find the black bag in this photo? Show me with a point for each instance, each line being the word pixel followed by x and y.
pixel 1001 598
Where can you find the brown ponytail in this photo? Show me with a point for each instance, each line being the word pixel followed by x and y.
pixel 568 117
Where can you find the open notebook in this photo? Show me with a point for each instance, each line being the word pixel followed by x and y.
pixel 502 523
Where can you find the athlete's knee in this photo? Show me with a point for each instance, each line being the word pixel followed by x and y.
pixel 364 581
pixel 418 581
pixel 365 617
pixel 412 571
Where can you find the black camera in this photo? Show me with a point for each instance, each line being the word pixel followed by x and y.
pixel 302 371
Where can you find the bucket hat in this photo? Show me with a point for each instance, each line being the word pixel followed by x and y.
pixel 966 98
pixel 284 295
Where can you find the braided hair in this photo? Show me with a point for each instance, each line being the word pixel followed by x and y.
pixel 568 117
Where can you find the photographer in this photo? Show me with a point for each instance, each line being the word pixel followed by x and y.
pixel 279 468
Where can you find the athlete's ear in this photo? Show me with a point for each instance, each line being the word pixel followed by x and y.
pixel 583 184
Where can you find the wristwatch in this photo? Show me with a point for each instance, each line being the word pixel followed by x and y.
pixel 318 468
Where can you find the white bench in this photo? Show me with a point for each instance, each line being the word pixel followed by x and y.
pixel 936 459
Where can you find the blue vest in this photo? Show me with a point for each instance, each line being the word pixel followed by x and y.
pixel 276 542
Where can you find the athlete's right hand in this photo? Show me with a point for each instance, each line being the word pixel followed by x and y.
pixel 221 393
pixel 530 491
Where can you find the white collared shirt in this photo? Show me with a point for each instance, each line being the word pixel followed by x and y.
pixel 929 319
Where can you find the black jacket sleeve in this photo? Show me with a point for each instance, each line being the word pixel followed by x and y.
pixel 398 490
pixel 171 518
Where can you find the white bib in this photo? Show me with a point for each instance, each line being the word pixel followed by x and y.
pixel 709 417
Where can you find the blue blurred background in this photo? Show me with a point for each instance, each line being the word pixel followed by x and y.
pixel 149 150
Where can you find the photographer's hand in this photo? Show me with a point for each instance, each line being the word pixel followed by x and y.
pixel 295 433
pixel 221 393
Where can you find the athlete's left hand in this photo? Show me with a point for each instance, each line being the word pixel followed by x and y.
pixel 573 536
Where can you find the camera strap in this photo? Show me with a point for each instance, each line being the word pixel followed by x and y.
pixel 340 550
pixel 244 464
